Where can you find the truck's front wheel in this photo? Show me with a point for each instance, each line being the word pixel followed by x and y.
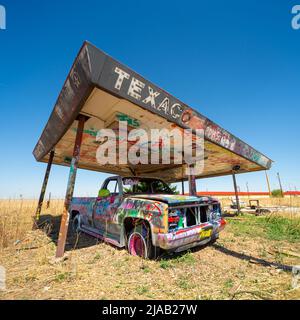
pixel 137 245
pixel 140 243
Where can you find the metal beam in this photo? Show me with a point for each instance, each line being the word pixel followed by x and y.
pixel 70 189
pixel 43 190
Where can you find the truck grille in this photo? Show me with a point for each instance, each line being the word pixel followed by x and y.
pixel 187 216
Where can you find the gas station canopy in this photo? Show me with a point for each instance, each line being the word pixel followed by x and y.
pixel 106 91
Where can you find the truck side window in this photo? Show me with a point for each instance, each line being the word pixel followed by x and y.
pixel 113 187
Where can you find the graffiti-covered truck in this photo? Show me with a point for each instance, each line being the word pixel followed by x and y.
pixel 145 215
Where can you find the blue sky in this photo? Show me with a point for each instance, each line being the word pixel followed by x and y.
pixel 237 62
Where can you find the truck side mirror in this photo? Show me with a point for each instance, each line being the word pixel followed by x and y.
pixel 103 193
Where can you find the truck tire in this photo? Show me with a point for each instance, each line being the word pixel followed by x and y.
pixel 140 243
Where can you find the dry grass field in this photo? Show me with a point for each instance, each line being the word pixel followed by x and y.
pixel 251 260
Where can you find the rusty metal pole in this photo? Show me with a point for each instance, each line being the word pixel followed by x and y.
pixel 247 186
pixel 236 193
pixel 49 200
pixel 43 190
pixel 280 185
pixel 192 182
pixel 70 189
pixel 182 181
pixel 268 184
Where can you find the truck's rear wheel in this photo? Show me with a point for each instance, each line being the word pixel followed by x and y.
pixel 76 224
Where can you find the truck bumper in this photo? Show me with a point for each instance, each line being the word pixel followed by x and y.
pixel 189 237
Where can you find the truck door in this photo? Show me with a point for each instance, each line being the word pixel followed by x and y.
pixel 105 220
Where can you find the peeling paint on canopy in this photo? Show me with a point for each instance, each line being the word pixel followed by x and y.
pixel 107 91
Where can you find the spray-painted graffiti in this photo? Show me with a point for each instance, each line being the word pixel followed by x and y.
pixel 220 136
pixel 171 221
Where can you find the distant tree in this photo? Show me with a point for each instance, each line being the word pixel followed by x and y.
pixel 143 187
pixel 276 193
pixel 173 187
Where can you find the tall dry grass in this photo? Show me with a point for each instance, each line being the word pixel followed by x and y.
pixel 16 218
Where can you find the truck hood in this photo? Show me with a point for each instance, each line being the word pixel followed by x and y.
pixel 170 199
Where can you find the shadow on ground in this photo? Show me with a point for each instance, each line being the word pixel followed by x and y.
pixel 50 224
pixel 231 253
pixel 252 259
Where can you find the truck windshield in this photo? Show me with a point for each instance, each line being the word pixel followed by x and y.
pixel 143 185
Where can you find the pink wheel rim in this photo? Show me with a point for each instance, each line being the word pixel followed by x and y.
pixel 136 245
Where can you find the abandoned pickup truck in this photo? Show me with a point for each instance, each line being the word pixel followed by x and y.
pixel 145 215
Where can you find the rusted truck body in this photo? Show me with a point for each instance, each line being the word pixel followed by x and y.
pixel 144 215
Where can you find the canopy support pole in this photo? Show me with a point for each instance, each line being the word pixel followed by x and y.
pixel 236 193
pixel 268 184
pixel 192 181
pixel 70 189
pixel 43 190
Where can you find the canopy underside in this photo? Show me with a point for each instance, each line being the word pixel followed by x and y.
pixel 104 111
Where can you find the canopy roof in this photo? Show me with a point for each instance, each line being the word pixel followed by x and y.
pixel 107 91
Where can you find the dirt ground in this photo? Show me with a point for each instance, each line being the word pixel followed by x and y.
pixel 237 266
